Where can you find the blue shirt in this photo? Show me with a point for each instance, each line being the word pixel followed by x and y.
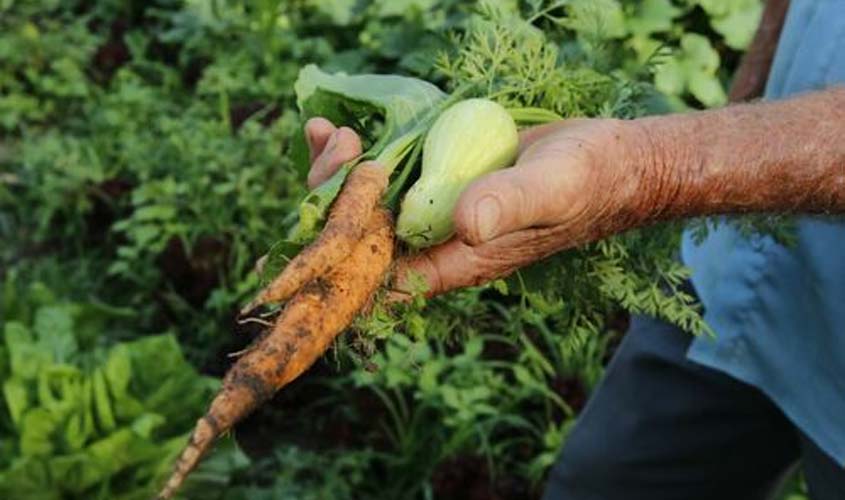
pixel 779 313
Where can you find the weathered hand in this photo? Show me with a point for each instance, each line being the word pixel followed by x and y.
pixel 574 182
pixel 580 180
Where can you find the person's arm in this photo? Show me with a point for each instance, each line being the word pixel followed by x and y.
pixel 784 157
pixel 750 78
pixel 577 181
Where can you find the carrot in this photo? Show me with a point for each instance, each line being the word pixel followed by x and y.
pixel 303 331
pixel 345 226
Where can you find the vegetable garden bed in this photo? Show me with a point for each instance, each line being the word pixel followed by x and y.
pixel 150 152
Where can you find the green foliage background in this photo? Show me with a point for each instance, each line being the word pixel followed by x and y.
pixel 147 158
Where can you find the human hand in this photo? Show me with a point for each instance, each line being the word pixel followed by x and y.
pixel 574 182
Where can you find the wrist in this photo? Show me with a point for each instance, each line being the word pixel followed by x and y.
pixel 663 162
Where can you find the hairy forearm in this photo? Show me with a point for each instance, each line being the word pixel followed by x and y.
pixel 778 157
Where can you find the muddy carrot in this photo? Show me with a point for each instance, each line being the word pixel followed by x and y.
pixel 303 331
pixel 346 223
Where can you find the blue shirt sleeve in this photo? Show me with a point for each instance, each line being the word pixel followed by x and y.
pixel 779 313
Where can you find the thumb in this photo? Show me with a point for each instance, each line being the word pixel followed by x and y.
pixel 523 196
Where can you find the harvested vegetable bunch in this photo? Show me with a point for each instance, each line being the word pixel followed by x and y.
pixel 329 282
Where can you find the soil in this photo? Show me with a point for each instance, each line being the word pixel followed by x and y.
pixel 194 276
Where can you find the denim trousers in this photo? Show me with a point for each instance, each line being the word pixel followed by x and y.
pixel 661 427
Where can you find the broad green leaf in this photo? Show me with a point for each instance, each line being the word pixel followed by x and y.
pixel 102 403
pixel 403 100
pixel 165 383
pixel 428 377
pixel 28 478
pixel 708 90
pixel 340 12
pixel 692 68
pixel 54 329
pixel 102 459
pixel 645 47
pixel 597 18
pixel 118 373
pixel 16 396
pixel 74 471
pixel 739 26
pixel 154 212
pixel 652 16
pixel 75 434
pixel 698 54
pixel 58 388
pixel 735 20
pixel 473 347
pixel 26 357
pixel 37 429
pixel 670 77
pixel 146 424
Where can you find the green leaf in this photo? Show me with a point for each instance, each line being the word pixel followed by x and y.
pixel 165 383
pixel 154 212
pixel 602 19
pixel 36 432
pixel 708 90
pixel 693 68
pixel 670 77
pixel 75 432
pixel 58 387
pixel 26 357
pixel 147 424
pixel 735 20
pixel 474 347
pixel 652 16
pixel 340 12
pixel 54 328
pixel 740 25
pixel 102 403
pixel 118 374
pixel 118 371
pixel 404 101
pixel 16 396
pixel 28 478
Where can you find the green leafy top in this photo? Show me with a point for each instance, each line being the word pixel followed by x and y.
pixel 407 106
pixel 403 100
pixel 77 420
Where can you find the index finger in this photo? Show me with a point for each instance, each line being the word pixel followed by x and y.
pixel 342 146
pixel 317 133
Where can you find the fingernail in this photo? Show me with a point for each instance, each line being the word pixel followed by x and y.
pixel 488 211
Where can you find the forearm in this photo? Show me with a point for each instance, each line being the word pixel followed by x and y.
pixel 782 157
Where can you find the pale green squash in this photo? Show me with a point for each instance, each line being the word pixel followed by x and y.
pixel 471 138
